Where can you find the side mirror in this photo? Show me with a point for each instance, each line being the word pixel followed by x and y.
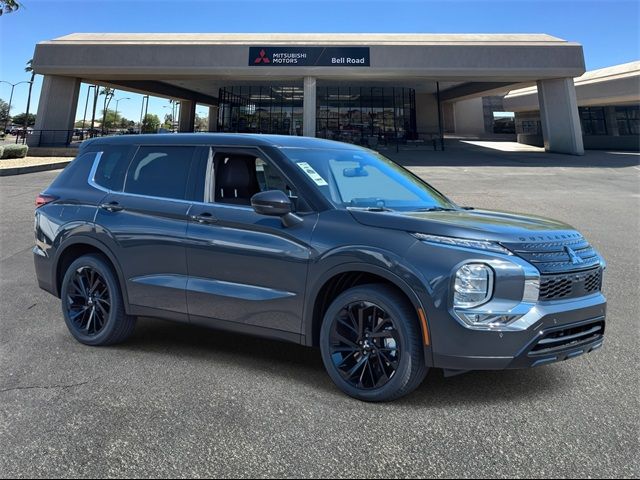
pixel 275 203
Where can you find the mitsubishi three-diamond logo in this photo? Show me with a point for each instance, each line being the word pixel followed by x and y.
pixel 573 256
pixel 262 58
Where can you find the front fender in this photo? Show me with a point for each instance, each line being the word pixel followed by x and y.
pixel 367 259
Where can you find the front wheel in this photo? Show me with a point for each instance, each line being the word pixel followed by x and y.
pixel 92 303
pixel 371 344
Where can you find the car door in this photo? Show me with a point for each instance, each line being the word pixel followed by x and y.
pixel 244 267
pixel 146 223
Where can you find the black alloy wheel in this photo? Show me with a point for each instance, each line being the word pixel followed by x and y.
pixel 92 302
pixel 88 301
pixel 365 345
pixel 371 343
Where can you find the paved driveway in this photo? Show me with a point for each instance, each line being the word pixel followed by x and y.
pixel 183 401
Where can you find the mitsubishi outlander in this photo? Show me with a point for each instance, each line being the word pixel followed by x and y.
pixel 316 242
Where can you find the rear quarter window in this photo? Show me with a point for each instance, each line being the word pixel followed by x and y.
pixel 112 167
pixel 76 173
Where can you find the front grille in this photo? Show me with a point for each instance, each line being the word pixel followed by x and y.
pixel 552 257
pixel 570 285
pixel 568 337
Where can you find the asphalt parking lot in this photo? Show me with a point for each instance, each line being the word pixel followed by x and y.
pixel 179 401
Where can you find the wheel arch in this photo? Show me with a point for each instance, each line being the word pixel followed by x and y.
pixel 80 245
pixel 339 278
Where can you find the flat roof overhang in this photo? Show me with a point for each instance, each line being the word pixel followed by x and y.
pixel 197 62
pixel 616 85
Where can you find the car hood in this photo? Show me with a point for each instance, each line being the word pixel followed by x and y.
pixel 472 224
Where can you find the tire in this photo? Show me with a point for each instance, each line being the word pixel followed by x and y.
pixel 391 358
pixel 92 303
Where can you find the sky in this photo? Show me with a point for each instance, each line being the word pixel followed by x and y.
pixel 607 29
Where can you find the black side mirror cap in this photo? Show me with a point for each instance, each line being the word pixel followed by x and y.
pixel 275 203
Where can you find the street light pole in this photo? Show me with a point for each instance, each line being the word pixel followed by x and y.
pixel 116 115
pixel 86 105
pixel 145 100
pixel 13 85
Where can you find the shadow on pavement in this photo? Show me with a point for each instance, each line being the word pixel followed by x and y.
pixel 461 154
pixel 304 365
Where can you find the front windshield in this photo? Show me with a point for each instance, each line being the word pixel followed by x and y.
pixel 365 179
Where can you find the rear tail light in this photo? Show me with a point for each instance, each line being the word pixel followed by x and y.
pixel 42 200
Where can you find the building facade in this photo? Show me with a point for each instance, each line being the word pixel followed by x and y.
pixel 361 88
pixel 608 107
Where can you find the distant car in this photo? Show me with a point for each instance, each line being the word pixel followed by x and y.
pixel 315 242
pixel 21 133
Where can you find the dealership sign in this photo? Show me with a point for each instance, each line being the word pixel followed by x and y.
pixel 309 56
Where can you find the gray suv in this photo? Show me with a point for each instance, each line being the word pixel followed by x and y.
pixel 315 242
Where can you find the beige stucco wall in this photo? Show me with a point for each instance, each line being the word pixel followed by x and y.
pixel 426 113
pixel 469 117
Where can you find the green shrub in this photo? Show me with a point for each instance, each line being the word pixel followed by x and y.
pixel 14 151
pixel 1 150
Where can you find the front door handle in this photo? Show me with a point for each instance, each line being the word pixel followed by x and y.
pixel 112 207
pixel 204 218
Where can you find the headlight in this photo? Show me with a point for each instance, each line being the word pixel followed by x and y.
pixel 463 242
pixel 473 285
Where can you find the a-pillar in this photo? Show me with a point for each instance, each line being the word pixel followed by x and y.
pixel 187 117
pixel 56 112
pixel 309 107
pixel 559 116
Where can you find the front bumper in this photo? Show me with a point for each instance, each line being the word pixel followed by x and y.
pixel 565 330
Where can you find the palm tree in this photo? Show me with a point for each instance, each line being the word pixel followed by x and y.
pixel 29 69
pixel 8 6
pixel 108 95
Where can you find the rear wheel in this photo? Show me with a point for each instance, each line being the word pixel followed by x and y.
pixel 92 303
pixel 371 344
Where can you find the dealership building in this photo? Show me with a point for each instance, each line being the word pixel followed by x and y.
pixel 608 107
pixel 360 88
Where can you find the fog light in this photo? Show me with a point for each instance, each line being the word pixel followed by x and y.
pixel 473 285
pixel 486 319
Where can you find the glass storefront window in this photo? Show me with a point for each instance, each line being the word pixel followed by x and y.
pixel 261 109
pixel 592 120
pixel 628 118
pixel 366 115
pixel 362 115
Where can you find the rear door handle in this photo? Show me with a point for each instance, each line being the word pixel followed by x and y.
pixel 204 218
pixel 112 207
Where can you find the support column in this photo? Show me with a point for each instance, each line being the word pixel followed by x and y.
pixel 213 119
pixel 559 116
pixel 309 107
pixel 56 112
pixel 187 117
pixel 611 121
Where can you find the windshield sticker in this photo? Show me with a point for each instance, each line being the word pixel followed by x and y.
pixel 313 175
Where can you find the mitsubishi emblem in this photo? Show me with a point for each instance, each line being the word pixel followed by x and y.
pixel 573 256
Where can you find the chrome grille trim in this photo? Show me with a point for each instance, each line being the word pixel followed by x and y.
pixel 552 257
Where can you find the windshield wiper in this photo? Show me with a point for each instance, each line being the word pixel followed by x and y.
pixel 435 209
pixel 373 209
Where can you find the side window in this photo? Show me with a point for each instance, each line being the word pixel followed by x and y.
pixel 269 178
pixel 77 172
pixel 234 177
pixel 113 167
pixel 160 171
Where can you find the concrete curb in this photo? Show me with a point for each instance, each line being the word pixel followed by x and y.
pixel 5 172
